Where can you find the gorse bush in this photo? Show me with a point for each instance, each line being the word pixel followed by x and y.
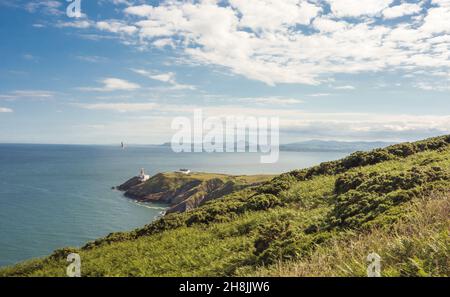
pixel 222 210
pixel 386 182
pixel 277 241
pixel 361 198
pixel 283 240
pixel 416 245
pixel 349 181
pixel 277 184
pixel 359 159
pixel 263 202
pixel 383 183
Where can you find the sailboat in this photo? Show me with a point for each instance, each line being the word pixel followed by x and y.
pixel 122 145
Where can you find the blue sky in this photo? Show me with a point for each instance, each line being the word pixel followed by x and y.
pixel 330 69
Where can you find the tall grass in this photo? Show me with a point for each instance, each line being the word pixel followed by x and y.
pixel 417 245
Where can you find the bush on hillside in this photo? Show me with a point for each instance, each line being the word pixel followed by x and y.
pixel 362 198
pixel 282 240
pixel 349 181
pixel 263 202
pixel 276 241
pixel 359 159
pixel 277 185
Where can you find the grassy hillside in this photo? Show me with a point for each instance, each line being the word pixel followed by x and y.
pixel 321 221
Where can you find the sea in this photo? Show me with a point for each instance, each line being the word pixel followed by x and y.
pixel 54 196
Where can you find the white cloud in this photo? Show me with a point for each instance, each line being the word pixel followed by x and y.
pixel 164 77
pixel 163 42
pixel 116 27
pixel 401 10
pixel 140 10
pixel 82 24
pixel 120 107
pixel 121 2
pixel 352 8
pixel 436 19
pixel 113 84
pixel 5 110
pixel 336 125
pixel 294 41
pixel 47 6
pixel 273 101
pixel 320 95
pixel 324 24
pixel 178 86
pixel 92 59
pixel 433 85
pixel 331 125
pixel 271 15
pixel 297 123
pixel 27 94
pixel 348 87
pixel 168 77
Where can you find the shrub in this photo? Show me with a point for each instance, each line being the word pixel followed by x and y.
pixel 277 185
pixel 348 182
pixel 276 241
pixel 263 202
pixel 362 198
pixel 402 150
pixel 376 156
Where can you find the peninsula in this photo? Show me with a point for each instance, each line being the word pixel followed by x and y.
pixel 183 192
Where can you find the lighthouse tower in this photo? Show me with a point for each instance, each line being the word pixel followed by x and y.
pixel 142 176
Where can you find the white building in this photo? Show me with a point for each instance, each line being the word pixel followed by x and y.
pixel 142 176
pixel 184 171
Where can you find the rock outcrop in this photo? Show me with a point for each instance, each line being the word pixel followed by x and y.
pixel 184 192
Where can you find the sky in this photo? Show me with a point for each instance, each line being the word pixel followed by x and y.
pixel 124 69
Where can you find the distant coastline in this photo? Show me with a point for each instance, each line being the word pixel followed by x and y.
pixel 325 146
pixel 301 146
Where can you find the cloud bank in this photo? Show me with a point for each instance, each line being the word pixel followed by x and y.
pixel 297 41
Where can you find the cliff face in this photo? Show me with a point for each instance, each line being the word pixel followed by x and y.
pixel 184 192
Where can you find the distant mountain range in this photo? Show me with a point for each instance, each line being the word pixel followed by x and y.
pixel 333 146
pixel 327 146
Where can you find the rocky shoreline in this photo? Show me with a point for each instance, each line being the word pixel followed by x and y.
pixel 184 192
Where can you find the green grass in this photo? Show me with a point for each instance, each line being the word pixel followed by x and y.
pixel 321 221
pixel 417 245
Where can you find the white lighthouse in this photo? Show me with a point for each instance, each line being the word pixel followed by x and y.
pixel 142 176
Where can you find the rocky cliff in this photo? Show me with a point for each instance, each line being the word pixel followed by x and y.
pixel 184 192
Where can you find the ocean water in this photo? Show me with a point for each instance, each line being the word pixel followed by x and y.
pixel 53 196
